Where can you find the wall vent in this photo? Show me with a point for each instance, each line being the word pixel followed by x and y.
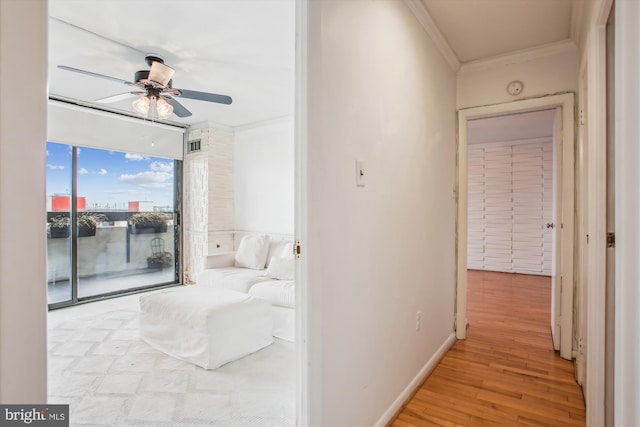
pixel 193 146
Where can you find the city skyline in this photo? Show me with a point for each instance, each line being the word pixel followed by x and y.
pixel 110 179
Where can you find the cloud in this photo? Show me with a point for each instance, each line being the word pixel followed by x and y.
pixel 161 166
pixel 102 172
pixel 135 156
pixel 149 179
pixel 82 171
pixel 122 191
pixel 56 167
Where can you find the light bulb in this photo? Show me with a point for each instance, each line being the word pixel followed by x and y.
pixel 141 105
pixel 163 108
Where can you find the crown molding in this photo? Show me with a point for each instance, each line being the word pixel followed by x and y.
pixel 263 123
pixel 434 33
pixel 524 55
pixel 210 125
pixel 206 125
pixel 603 9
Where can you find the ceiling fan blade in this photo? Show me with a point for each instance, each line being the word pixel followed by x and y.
pixel 160 74
pixel 204 96
pixel 119 97
pixel 178 109
pixel 92 74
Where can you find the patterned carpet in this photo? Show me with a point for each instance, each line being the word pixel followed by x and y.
pixel 110 377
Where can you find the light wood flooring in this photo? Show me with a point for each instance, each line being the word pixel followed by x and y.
pixel 506 371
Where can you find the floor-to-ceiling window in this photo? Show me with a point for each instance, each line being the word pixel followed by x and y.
pixel 113 204
pixel 111 222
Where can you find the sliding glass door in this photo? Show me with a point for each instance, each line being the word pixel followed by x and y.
pixel 120 213
pixel 59 182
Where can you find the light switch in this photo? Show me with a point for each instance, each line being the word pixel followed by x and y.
pixel 360 173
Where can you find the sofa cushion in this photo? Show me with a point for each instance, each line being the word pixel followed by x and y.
pixel 233 278
pixel 252 252
pixel 281 293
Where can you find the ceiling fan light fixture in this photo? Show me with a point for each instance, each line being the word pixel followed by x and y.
pixel 155 91
pixel 141 105
pixel 159 107
pixel 163 108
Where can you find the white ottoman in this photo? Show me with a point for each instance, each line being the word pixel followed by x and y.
pixel 205 325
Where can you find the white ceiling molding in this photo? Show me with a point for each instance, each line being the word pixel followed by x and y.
pixel 268 122
pixel 434 33
pixel 576 20
pixel 210 125
pixel 519 56
pixel 603 8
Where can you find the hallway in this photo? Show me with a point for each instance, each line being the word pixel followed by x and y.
pixel 506 371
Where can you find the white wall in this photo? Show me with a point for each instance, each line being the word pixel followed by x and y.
pixel 263 177
pixel 380 92
pixel 23 275
pixel 627 177
pixel 485 83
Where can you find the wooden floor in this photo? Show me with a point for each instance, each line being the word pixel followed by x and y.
pixel 506 371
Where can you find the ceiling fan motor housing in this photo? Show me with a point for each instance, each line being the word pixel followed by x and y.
pixel 150 59
pixel 142 76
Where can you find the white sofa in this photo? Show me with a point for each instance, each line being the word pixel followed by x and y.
pixel 262 267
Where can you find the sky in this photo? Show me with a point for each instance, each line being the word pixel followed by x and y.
pixel 110 179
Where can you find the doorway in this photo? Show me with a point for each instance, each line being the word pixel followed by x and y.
pixel 510 197
pixel 562 270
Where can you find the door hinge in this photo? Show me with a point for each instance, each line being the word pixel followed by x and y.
pixel 611 240
pixel 297 249
pixel 582 117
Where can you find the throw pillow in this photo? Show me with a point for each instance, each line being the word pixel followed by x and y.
pixel 281 268
pixel 252 252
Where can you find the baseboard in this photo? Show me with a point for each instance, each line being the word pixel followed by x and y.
pixel 408 392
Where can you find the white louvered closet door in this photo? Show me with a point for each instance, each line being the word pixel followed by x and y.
pixel 510 201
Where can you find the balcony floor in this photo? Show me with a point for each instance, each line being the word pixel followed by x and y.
pixel 60 291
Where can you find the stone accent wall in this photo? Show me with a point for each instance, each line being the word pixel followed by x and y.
pixel 208 197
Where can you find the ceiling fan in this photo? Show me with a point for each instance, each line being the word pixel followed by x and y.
pixel 155 94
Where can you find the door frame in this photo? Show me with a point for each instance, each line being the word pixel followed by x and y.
pixel 595 67
pixel 303 338
pixel 566 103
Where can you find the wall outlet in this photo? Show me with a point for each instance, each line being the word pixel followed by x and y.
pixel 418 320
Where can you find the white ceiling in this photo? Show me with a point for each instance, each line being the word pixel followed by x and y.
pixel 478 29
pixel 241 48
pixel 511 127
pixel 246 48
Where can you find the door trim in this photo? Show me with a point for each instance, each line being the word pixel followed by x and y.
pixel 302 333
pixel 566 102
pixel 597 226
